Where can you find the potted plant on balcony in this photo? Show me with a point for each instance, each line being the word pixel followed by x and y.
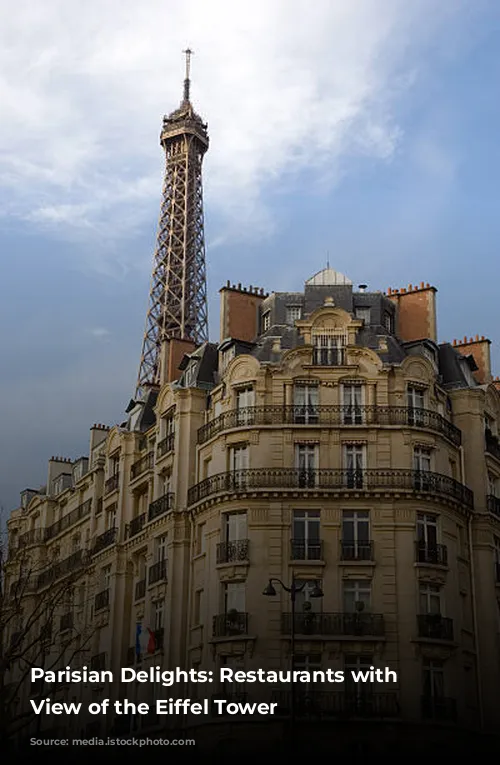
pixel 233 621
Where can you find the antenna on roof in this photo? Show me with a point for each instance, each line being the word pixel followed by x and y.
pixel 327 259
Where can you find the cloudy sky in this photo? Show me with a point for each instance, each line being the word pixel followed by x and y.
pixel 360 131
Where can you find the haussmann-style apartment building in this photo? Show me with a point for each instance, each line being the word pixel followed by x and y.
pixel 326 437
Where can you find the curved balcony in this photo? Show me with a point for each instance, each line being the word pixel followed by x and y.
pixel 324 416
pixel 286 479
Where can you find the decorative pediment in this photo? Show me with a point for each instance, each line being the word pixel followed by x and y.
pixel 492 401
pixel 243 368
pixel 367 361
pixel 418 368
pixel 166 399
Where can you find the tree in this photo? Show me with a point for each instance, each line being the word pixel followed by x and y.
pixel 38 628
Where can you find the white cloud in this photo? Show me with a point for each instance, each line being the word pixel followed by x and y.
pixel 100 332
pixel 284 85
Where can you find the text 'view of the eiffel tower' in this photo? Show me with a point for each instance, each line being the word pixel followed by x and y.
pixel 178 293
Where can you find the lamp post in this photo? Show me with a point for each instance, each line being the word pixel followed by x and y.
pixel 295 587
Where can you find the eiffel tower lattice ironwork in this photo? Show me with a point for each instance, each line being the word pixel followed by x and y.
pixel 178 292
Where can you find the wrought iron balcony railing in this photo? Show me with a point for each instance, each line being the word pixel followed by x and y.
pixel 493 504
pixel 135 526
pixel 232 623
pixel 311 702
pixel 66 622
pixel 329 357
pixel 302 549
pixel 140 589
pixel 233 552
pixel 101 600
pixel 142 465
pixel 112 483
pixel 359 624
pixel 356 551
pixel 165 445
pixel 158 572
pixel 241 481
pixel 161 506
pixel 31 537
pixel 435 627
pixel 324 416
pixel 104 540
pixel 82 511
pixel 69 565
pixel 433 554
pixel 439 708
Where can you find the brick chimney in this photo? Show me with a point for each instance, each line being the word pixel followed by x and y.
pixel 479 348
pixel 415 312
pixel 172 352
pixel 239 312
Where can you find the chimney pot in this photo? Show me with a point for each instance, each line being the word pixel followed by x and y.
pixel 477 338
pixel 422 285
pixel 482 337
pixel 410 287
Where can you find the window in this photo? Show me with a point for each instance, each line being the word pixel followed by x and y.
pixel 245 400
pixel 307 663
pixel 106 577
pixel 363 313
pixel 421 466
pixel 235 527
pixel 197 607
pixel 359 694
pixel 306 543
pixel 234 597
pixel 305 403
pixel 111 516
pixel 234 691
pixel 293 314
pixel 75 543
pixel 357 595
pixel 226 356
pixel 428 549
pixel 266 321
pixel 161 548
pixel 492 485
pixel 158 615
pixel 352 403
pixel 356 543
pixel 429 599
pixel 388 322
pixel 354 465
pixel 114 465
pixel 329 348
pixel 415 398
pixel 200 539
pixel 190 374
pixel 305 462
pixel 433 679
pixel 238 464
pixel 303 601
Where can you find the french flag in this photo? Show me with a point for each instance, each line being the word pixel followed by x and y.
pixel 145 641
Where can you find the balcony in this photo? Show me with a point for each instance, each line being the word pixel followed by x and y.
pixel 135 526
pixel 101 600
pixel 142 465
pixel 306 550
pixel 325 416
pixel 232 624
pixel 233 552
pixel 334 624
pixel 356 551
pixel 344 704
pixel 161 506
pixel 80 512
pixel 112 483
pixel 439 708
pixel 334 356
pixel 432 554
pixel 140 590
pixel 492 503
pixel 104 540
pixel 165 445
pixel 31 537
pixel 435 627
pixel 158 572
pixel 66 622
pixel 340 481
pixel 69 565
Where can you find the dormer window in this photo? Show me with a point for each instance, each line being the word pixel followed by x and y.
pixel 329 347
pixel 388 322
pixel 266 321
pixel 227 355
pixel 363 313
pixel 190 374
pixel 293 314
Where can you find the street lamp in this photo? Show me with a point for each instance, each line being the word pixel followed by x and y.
pixel 296 586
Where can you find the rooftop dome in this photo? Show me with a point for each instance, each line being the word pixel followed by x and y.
pixel 327 277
